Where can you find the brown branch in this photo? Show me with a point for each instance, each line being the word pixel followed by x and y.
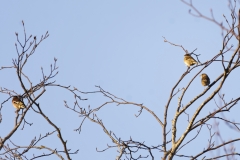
pixel 213 148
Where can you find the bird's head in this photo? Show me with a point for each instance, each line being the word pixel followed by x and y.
pixel 203 75
pixel 16 98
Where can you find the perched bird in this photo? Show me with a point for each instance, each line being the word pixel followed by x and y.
pixel 189 60
pixel 205 79
pixel 17 103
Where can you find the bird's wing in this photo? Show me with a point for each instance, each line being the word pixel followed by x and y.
pixel 19 103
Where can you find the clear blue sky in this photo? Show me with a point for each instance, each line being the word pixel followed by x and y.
pixel 119 46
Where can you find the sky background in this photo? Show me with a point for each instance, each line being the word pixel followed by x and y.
pixel 118 45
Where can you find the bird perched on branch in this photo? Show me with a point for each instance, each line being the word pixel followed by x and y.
pixel 17 103
pixel 189 60
pixel 205 79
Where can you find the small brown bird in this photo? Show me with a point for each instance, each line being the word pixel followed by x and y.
pixel 17 103
pixel 205 79
pixel 189 60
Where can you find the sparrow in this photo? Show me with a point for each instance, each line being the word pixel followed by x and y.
pixel 17 103
pixel 205 79
pixel 189 60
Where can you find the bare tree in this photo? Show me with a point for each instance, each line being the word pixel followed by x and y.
pixel 10 150
pixel 173 142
